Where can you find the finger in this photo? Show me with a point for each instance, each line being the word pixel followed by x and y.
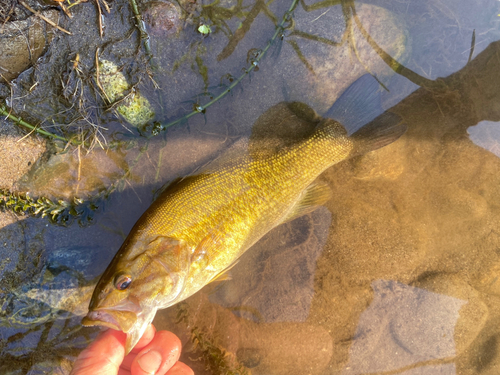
pixel 146 338
pixel 180 369
pixel 103 356
pixel 158 356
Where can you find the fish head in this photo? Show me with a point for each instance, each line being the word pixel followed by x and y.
pixel 143 277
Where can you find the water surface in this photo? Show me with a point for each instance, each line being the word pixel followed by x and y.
pixel 397 274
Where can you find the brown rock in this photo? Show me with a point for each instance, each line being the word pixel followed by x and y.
pixel 23 42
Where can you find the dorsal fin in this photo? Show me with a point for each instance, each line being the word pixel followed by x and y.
pixel 316 194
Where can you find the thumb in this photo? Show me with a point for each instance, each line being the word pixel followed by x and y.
pixel 104 356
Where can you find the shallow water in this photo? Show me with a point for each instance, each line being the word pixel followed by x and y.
pixel 397 274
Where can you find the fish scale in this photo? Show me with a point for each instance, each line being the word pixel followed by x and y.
pixel 252 189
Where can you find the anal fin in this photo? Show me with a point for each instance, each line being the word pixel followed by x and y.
pixel 385 129
pixel 316 194
pixel 225 274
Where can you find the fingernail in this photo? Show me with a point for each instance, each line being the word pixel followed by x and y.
pixel 150 362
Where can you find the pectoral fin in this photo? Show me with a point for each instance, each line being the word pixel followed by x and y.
pixel 317 194
pixel 226 274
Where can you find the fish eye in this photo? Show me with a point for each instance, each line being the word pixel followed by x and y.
pixel 122 282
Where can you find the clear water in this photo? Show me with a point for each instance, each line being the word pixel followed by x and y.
pixel 397 274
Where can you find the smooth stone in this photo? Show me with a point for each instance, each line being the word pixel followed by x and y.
pixel 23 42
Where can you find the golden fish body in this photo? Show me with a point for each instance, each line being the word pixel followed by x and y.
pixel 201 225
pixel 221 214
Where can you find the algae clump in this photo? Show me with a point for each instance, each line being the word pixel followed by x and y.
pixel 133 107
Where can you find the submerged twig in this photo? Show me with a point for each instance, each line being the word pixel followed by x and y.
pixel 98 75
pixel 472 45
pixel 38 14
pixel 65 9
pixel 106 6
pixel 101 33
pixel 142 31
pixel 7 113
pixel 391 62
pixel 287 17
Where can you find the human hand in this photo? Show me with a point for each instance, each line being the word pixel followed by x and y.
pixel 156 353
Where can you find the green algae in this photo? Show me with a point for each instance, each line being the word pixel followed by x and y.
pixel 126 99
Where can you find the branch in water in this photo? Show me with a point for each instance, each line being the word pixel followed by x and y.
pixel 391 62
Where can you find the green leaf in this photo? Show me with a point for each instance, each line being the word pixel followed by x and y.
pixel 204 29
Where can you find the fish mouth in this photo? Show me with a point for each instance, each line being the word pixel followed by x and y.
pixel 115 319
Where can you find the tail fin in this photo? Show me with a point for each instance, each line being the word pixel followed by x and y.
pixel 359 104
pixel 382 131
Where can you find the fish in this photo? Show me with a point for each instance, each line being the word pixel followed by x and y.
pixel 200 225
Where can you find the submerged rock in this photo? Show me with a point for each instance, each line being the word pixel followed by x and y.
pixel 163 18
pixel 85 174
pixel 18 154
pixel 403 326
pixel 58 291
pixel 326 69
pixel 23 42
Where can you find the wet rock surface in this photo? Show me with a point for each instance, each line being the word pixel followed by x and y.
pixel 324 70
pixel 18 154
pixel 23 42
pixel 162 17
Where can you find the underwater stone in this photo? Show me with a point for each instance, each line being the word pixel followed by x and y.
pixel 403 326
pixel 249 357
pixel 23 42
pixel 162 18
pixel 135 108
pixel 472 316
pixel 332 69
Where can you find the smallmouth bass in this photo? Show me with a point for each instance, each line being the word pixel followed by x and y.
pixel 200 225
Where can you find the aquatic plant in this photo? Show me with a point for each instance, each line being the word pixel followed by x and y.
pixel 217 360
pixel 5 111
pixel 139 23
pixel 59 212
pixel 253 59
